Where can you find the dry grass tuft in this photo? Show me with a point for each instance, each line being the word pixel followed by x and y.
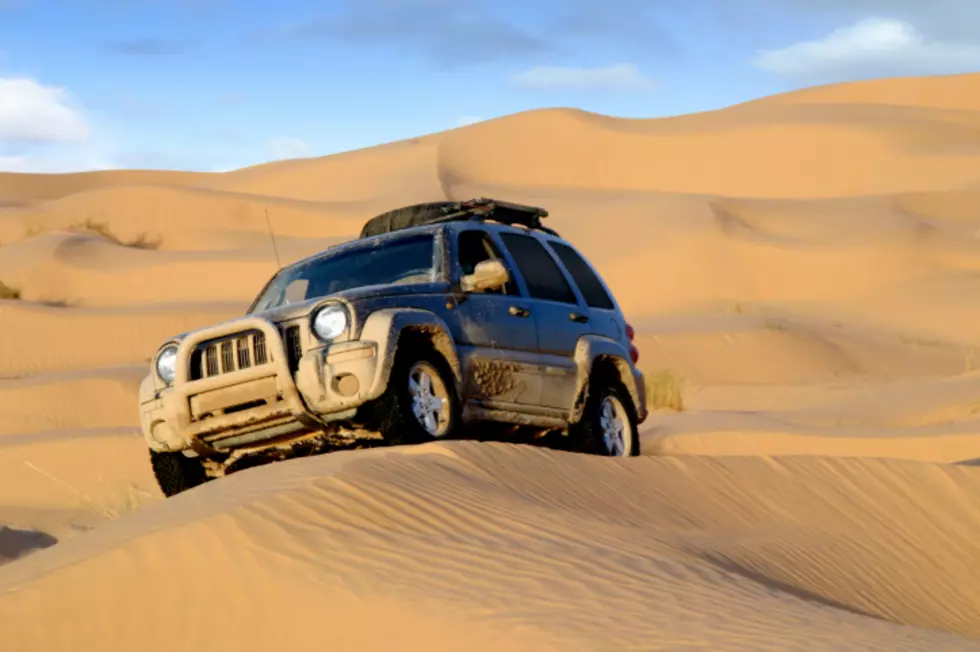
pixel 919 341
pixel 665 391
pixel 773 325
pixel 141 241
pixel 7 292
pixel 55 303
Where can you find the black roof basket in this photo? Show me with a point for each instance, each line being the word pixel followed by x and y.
pixel 482 208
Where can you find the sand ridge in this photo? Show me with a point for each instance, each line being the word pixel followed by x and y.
pixel 670 549
pixel 803 267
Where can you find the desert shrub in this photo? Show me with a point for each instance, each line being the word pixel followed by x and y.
pixel 141 241
pixel 102 228
pixel 665 391
pixel 7 292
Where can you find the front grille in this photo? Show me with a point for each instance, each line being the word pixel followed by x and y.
pixel 294 347
pixel 227 354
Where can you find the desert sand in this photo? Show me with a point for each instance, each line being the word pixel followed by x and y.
pixel 803 268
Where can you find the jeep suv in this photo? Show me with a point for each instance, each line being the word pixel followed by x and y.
pixel 439 318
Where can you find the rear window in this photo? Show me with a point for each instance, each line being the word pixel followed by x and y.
pixel 542 274
pixel 588 283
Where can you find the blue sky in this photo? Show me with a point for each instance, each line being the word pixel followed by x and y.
pixel 219 84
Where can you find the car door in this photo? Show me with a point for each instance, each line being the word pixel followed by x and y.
pixel 496 336
pixel 604 317
pixel 560 317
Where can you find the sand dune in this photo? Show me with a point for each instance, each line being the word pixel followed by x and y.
pixel 489 546
pixel 183 219
pixel 750 152
pixel 725 349
pixel 804 267
pixel 398 173
pixel 86 269
pixel 20 188
pixel 40 338
pixel 953 92
pixel 99 398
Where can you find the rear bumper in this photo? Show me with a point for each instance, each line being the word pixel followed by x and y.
pixel 260 405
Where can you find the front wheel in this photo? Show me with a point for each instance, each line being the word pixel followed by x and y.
pixel 420 402
pixel 608 425
pixel 175 472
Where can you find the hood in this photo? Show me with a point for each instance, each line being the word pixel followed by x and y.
pixel 303 309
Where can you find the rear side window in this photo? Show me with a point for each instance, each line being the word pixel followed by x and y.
pixel 586 280
pixel 540 271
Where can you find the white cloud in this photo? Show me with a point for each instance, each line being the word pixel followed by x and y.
pixel 32 112
pixel 620 76
pixel 286 148
pixel 53 164
pixel 14 164
pixel 874 47
pixel 41 130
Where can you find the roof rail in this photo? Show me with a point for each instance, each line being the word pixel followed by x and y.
pixel 481 209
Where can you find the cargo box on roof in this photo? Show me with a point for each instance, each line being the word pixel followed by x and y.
pixel 496 210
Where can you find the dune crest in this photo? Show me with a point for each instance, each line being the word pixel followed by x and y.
pixel 954 92
pixel 522 547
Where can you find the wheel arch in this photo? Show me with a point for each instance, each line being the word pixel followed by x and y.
pixel 605 359
pixel 396 329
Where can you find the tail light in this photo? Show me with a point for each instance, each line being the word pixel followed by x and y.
pixel 634 352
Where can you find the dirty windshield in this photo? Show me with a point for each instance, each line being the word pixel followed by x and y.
pixel 402 261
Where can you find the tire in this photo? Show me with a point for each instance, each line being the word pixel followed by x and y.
pixel 589 433
pixel 175 472
pixel 398 424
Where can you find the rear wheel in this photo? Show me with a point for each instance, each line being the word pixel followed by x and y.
pixel 175 472
pixel 608 425
pixel 420 402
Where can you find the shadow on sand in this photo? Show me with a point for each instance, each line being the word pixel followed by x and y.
pixel 17 543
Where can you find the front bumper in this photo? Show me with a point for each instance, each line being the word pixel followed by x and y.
pixel 284 398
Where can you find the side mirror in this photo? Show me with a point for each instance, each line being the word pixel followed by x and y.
pixel 488 275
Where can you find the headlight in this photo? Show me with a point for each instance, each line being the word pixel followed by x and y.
pixel 330 321
pixel 167 363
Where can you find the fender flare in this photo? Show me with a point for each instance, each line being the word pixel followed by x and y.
pixel 591 350
pixel 388 326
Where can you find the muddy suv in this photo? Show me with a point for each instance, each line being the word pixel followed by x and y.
pixel 440 319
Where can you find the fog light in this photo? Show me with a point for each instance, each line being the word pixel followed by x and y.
pixel 161 432
pixel 346 385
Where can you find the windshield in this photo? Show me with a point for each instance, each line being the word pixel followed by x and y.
pixel 403 261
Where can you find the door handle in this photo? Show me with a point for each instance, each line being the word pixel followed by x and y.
pixel 517 311
pixel 577 317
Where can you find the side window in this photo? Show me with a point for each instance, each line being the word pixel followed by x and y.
pixel 473 247
pixel 543 276
pixel 588 283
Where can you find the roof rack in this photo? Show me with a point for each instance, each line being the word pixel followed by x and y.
pixel 481 208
